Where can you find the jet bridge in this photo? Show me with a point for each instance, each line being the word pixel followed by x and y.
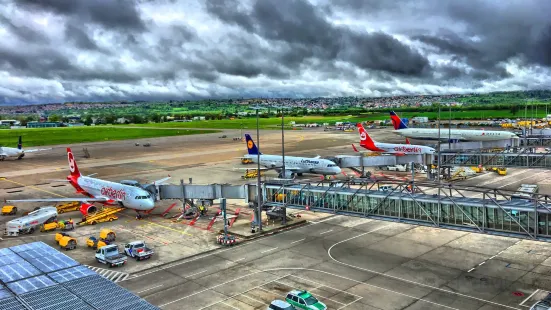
pixel 522 159
pixel 446 206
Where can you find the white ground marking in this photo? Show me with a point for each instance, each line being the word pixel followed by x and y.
pixel 405 280
pixel 528 298
pixel 512 245
pixel 149 289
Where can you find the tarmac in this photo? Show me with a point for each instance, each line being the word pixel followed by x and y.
pixel 348 263
pixel 353 263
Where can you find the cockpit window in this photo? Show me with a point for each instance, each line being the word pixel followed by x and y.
pixel 331 165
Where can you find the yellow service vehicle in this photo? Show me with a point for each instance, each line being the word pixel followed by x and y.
pixel 68 243
pixel 48 226
pixel 107 214
pixel 94 243
pixel 107 235
pixel 58 237
pixel 9 210
pixel 250 174
pixel 246 161
pixel 67 207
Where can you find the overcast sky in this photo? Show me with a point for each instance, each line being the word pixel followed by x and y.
pixel 58 50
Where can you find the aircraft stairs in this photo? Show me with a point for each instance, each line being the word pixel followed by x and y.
pixel 104 215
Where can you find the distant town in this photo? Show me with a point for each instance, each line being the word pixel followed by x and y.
pixel 125 112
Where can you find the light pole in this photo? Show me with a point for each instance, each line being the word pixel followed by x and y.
pixel 258 185
pixel 282 139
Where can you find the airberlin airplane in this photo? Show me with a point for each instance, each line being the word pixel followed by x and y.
pixel 390 148
pixel 105 192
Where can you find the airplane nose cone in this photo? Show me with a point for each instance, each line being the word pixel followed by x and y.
pixel 338 170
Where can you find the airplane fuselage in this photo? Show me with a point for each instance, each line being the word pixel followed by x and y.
pixel 6 152
pixel 128 196
pixel 455 134
pixel 406 149
pixel 304 164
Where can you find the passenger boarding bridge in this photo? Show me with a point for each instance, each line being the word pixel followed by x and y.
pixel 523 159
pixel 446 206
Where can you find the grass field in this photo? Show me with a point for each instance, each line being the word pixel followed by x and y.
pixel 70 135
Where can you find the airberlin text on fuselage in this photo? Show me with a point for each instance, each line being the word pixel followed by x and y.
pixel 407 149
pixel 113 193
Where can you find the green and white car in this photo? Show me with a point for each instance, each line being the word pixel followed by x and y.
pixel 304 300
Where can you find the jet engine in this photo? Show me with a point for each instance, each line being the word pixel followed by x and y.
pixel 86 208
pixel 287 174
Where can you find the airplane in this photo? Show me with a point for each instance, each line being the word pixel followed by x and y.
pixel 18 152
pixel 454 135
pixel 390 148
pixel 293 165
pixel 127 194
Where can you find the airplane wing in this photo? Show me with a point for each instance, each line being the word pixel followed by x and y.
pixel 35 150
pixel 100 199
pixel 261 168
pixel 57 180
pixel 161 180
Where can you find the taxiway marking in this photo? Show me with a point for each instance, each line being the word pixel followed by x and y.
pixel 33 187
pixel 149 289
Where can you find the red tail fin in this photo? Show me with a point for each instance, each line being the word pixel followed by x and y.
pixel 407 141
pixel 72 163
pixel 365 139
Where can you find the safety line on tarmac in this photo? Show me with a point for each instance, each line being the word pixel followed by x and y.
pixel 405 280
pixel 512 245
pixel 33 187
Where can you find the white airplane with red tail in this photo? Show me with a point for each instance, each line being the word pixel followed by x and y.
pixel 390 148
pixel 127 194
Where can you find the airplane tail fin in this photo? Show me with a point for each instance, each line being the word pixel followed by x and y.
pixel 72 164
pixel 365 139
pixel 397 122
pixel 20 143
pixel 251 147
pixel 407 141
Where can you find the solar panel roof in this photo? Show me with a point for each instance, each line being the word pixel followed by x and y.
pixel 30 284
pixel 5 251
pixel 4 293
pixel 43 278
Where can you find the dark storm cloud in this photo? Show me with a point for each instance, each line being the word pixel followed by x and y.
pixel 23 31
pixel 79 37
pixel 120 14
pixel 173 49
pixel 298 22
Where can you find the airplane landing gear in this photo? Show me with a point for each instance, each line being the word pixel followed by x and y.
pixel 138 216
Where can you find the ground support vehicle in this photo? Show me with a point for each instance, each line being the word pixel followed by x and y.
pixel 9 210
pixel 107 235
pixel 28 224
pixel 110 256
pixel 68 243
pixel 138 250
pixel 68 207
pixel 94 243
pixel 107 214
